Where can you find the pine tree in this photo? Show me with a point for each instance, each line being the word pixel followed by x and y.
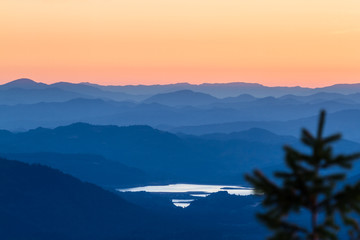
pixel 310 185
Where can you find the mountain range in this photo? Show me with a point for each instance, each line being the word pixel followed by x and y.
pixel 139 153
pixel 345 122
pixel 65 148
pixel 28 105
pixel 172 110
pixel 62 91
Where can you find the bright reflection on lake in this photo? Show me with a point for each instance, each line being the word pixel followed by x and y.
pixel 193 190
pixel 199 195
pixel 182 202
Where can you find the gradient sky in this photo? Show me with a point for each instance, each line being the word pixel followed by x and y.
pixel 273 42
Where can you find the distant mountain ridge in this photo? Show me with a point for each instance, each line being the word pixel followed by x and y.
pixel 28 104
pixel 24 83
pixel 27 91
pixel 345 122
pixel 219 90
pixel 176 113
pixel 182 98
pixel 253 134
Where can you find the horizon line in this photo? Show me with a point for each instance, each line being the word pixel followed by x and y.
pixel 179 83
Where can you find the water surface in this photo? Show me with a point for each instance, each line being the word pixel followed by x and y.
pixel 193 191
pixel 191 188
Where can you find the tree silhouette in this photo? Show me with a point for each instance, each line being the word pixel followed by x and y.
pixel 310 185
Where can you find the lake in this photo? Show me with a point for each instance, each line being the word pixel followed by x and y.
pixel 193 191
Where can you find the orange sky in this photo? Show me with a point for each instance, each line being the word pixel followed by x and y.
pixel 273 42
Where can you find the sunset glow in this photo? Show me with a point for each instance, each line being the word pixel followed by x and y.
pixel 278 42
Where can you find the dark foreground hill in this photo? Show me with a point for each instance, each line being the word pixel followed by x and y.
pixel 39 203
pixel 87 167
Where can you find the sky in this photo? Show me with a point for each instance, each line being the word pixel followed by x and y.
pixel 309 43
